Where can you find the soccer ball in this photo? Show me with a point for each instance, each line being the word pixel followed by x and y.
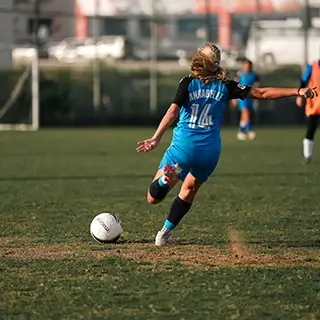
pixel 106 228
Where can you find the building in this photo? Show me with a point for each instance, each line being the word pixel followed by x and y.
pixel 48 19
pixel 59 19
pixel 132 17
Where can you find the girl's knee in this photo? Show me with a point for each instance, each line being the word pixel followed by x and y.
pixel 189 189
pixel 152 200
pixel 188 192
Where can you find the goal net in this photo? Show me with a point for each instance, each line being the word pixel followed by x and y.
pixel 19 96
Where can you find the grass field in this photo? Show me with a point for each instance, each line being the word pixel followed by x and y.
pixel 249 248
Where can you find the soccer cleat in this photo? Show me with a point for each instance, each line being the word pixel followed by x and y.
pixel 163 238
pixel 171 171
pixel 241 136
pixel 251 135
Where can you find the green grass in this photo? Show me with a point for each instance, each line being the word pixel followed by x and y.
pixel 248 249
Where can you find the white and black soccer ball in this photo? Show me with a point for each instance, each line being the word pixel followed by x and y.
pixel 106 228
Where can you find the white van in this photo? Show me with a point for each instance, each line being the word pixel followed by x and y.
pixel 279 42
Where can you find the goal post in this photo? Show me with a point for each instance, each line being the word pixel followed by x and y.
pixel 19 107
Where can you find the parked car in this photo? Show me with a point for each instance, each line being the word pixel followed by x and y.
pixel 106 47
pixel 278 42
pixel 66 50
pixel 23 50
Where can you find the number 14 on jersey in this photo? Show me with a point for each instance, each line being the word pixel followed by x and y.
pixel 200 118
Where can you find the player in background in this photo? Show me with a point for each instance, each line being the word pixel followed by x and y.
pixel 310 77
pixel 246 77
pixel 195 148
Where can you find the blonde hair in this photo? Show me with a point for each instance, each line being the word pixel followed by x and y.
pixel 205 64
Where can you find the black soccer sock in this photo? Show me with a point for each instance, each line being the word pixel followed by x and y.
pixel 312 124
pixel 158 190
pixel 179 209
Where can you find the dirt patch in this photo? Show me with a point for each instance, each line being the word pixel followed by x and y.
pixel 237 254
pixel 9 241
pixel 22 248
pixel 39 252
pixel 210 256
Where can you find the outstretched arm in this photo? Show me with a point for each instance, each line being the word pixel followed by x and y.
pixel 167 121
pixel 272 93
pixel 238 91
pixel 278 93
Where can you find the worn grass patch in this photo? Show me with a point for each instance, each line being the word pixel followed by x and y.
pixel 192 255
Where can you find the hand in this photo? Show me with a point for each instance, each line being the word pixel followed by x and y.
pixel 308 93
pixel 147 145
pixel 300 101
pixel 234 103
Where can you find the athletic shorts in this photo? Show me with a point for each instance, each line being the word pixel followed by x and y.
pixel 245 104
pixel 199 164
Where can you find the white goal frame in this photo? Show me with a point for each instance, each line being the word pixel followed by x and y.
pixel 33 62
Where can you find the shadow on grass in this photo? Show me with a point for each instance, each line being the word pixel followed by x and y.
pixel 143 176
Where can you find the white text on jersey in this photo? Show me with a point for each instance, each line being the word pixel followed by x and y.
pixel 205 94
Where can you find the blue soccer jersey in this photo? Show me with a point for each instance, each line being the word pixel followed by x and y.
pixel 196 142
pixel 248 78
pixel 202 107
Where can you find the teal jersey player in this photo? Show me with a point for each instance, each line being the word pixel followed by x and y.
pixel 194 151
pixel 196 142
pixel 246 77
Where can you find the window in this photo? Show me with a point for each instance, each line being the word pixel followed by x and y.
pixel 114 26
pixel 145 27
pixel 39 25
pixel 195 27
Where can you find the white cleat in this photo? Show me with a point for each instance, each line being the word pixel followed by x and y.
pixel 171 172
pixel 163 239
pixel 251 135
pixel 241 136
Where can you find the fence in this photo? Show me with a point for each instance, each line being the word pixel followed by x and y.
pixel 118 94
pixel 141 60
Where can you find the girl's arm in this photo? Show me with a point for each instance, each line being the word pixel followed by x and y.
pixel 166 122
pixel 168 119
pixel 277 93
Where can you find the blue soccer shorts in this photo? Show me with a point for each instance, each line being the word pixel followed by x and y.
pixel 245 104
pixel 199 164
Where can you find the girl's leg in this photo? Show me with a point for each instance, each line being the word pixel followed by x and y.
pixel 244 118
pixel 179 208
pixel 162 184
pixel 312 124
pixel 250 131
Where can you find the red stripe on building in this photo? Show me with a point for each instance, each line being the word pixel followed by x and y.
pixel 81 22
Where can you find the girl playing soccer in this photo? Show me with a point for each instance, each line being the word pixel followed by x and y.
pixel 246 77
pixel 196 144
